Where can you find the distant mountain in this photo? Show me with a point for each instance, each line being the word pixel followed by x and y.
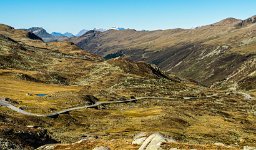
pixel 47 37
pixel 58 34
pixel 81 32
pixel 68 34
pixel 223 53
pixel 41 32
pixel 117 28
pixel 100 29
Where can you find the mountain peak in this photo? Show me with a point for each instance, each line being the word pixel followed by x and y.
pixel 228 21
pixel 41 32
pixel 68 34
pixel 81 32
pixel 56 34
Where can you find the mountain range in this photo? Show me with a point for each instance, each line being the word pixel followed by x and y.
pixel 57 36
pixel 229 43
pixel 128 89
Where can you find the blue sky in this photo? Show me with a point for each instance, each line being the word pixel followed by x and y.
pixel 74 15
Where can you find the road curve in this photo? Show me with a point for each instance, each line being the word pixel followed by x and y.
pixel 5 103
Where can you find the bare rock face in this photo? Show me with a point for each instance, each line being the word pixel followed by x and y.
pixel 248 21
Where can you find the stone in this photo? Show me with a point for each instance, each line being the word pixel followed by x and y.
pixel 219 144
pixel 101 148
pixel 154 141
pixel 139 138
pixel 29 94
pixel 249 148
pixel 46 147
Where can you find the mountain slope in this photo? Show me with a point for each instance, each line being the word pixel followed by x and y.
pixel 221 52
pixel 43 78
pixel 81 32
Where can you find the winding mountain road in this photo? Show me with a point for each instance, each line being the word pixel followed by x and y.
pixel 5 103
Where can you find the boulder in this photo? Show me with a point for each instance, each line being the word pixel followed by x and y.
pixel 47 147
pixel 154 141
pixel 101 148
pixel 249 148
pixel 139 138
pixel 219 144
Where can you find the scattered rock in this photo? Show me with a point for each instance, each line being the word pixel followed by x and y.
pixel 80 141
pixel 8 145
pixel 246 96
pixel 139 138
pixel 90 99
pixel 53 109
pixel 89 137
pixel 29 94
pixel 32 126
pixel 122 98
pixel 11 101
pixel 154 141
pixel 249 148
pixel 219 144
pixel 101 148
pixel 133 97
pixel 23 107
pixel 46 147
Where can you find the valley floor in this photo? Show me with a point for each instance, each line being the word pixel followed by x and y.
pixel 204 117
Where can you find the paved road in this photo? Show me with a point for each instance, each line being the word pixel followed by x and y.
pixel 5 103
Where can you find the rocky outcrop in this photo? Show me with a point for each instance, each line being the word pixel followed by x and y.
pixel 25 137
pixel 101 148
pixel 249 148
pixel 139 138
pixel 152 142
pixel 247 22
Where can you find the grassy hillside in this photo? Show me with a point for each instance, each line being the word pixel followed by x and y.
pixel 66 75
pixel 221 52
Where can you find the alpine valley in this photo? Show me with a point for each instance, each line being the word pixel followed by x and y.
pixel 127 89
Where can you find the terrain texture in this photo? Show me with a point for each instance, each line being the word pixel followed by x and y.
pixel 45 78
pixel 221 54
